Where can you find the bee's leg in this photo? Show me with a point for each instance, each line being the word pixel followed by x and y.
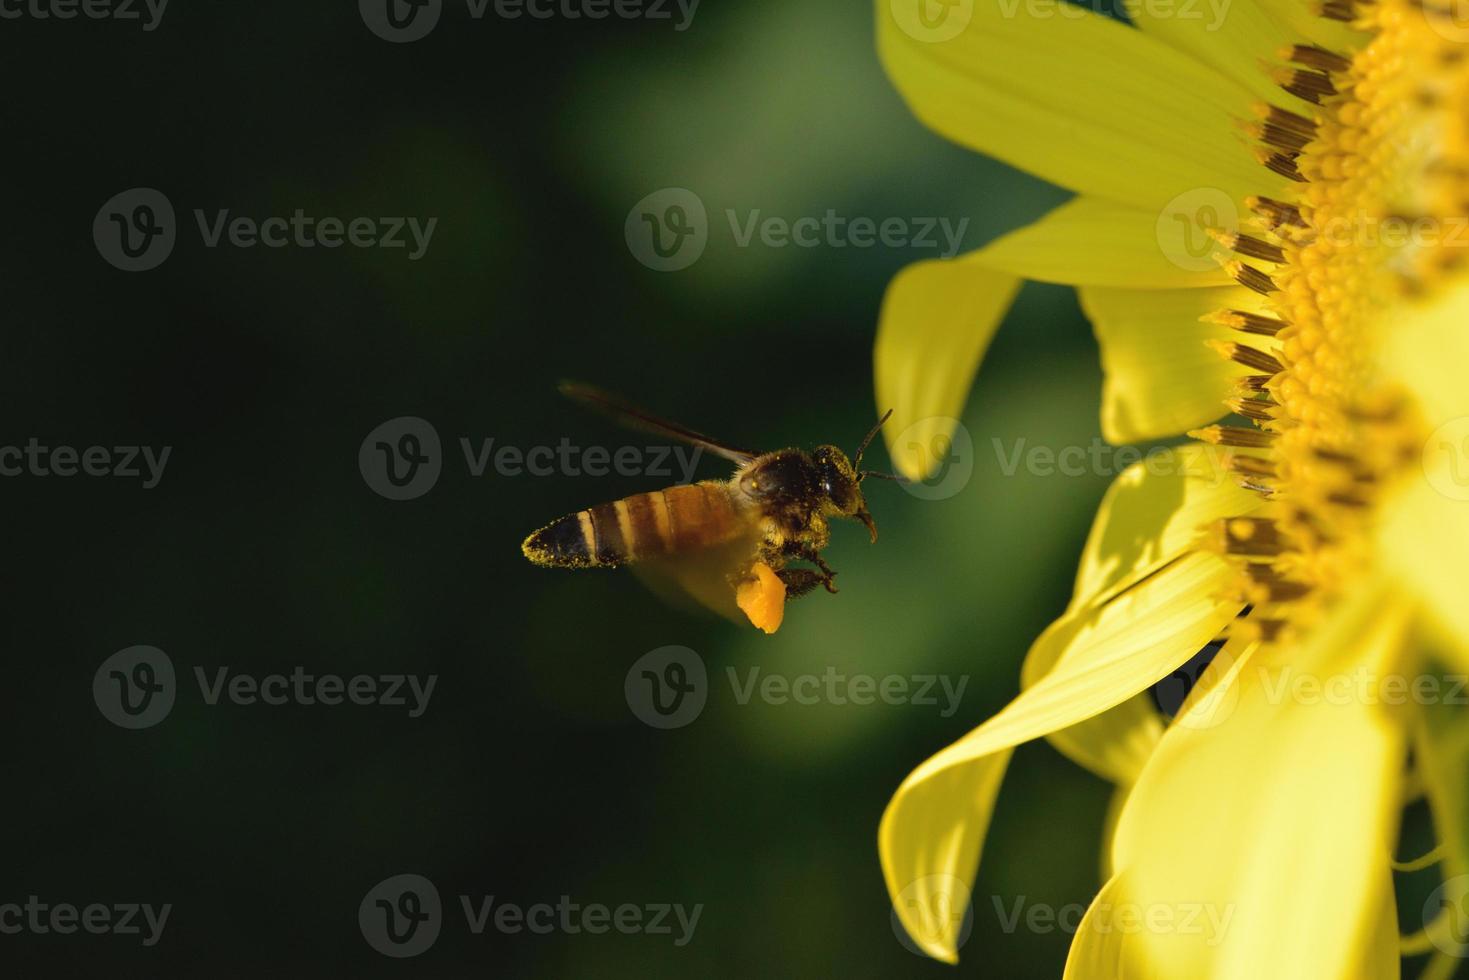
pixel 799 581
pixel 807 553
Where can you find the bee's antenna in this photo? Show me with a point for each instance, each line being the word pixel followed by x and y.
pixel 867 440
pixel 863 474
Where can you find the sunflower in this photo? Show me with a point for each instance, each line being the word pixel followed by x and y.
pixel 1268 238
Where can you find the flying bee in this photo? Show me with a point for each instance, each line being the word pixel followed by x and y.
pixel 726 544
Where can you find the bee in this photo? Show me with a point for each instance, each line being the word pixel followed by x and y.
pixel 719 542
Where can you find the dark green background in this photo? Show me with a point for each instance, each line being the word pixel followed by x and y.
pixel 263 549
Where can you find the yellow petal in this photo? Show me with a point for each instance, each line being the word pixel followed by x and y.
pixel 1149 517
pixel 1235 36
pixel 1076 98
pixel 1102 948
pixel 1381 958
pixel 1114 744
pixel 933 829
pixel 1275 820
pixel 937 320
pixel 1159 378
pixel 1425 539
pixel 1424 533
pixel 1151 514
pixel 930 850
pixel 1094 242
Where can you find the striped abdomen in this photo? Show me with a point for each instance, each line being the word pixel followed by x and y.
pixel 677 520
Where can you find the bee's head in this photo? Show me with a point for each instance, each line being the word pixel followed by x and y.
pixel 841 479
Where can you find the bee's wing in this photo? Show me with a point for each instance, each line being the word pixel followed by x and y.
pixel 706 578
pixel 635 418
